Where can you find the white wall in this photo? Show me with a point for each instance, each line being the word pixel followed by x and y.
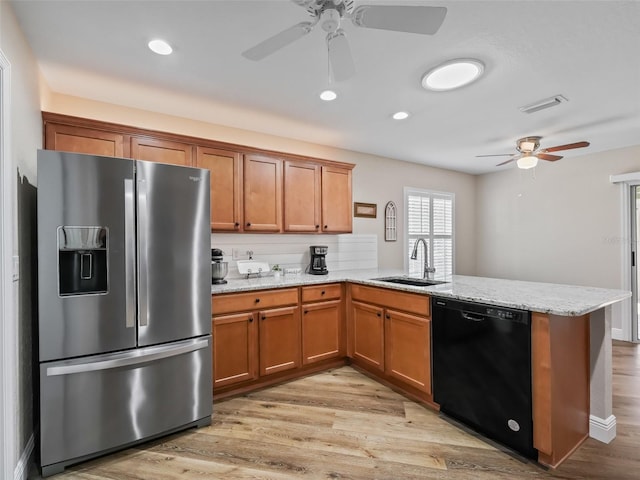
pixel 26 138
pixel 561 223
pixel 375 179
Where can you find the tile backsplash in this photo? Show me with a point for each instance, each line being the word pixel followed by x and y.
pixel 346 252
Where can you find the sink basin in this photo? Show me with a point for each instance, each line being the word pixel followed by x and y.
pixel 418 282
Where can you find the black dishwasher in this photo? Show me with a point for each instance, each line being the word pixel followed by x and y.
pixel 482 369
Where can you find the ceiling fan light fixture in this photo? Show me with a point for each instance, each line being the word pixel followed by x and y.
pixel 328 95
pixel 160 47
pixel 400 115
pixel 527 161
pixel 453 74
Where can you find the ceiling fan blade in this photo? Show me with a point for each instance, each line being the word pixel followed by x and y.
pixel 496 155
pixel 549 158
pixel 340 59
pixel 512 159
pixel 278 41
pixel 568 146
pixel 400 18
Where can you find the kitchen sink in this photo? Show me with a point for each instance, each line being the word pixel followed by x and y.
pixel 418 282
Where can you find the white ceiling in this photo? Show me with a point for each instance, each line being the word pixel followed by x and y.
pixel 585 50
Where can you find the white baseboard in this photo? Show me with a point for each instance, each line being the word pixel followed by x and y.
pixel 22 469
pixel 619 334
pixel 603 430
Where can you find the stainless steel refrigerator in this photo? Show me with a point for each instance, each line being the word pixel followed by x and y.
pixel 124 298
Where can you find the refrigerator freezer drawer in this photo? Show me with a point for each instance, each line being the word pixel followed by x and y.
pixel 92 405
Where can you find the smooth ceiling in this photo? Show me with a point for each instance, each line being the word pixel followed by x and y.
pixel 584 50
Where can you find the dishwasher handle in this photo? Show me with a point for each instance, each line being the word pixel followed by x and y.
pixel 474 317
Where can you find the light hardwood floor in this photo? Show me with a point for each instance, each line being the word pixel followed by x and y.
pixel 342 425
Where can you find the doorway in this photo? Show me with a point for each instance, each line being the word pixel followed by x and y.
pixel 635 271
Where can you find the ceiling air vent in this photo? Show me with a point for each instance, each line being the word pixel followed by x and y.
pixel 542 104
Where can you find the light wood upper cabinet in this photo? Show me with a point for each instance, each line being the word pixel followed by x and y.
pixel 336 200
pixel 162 151
pixel 69 138
pixel 262 194
pixel 226 187
pixel 301 197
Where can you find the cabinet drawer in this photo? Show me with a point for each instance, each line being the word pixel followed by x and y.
pixel 407 302
pixel 258 300
pixel 321 292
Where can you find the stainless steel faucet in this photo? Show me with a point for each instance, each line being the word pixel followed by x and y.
pixel 428 271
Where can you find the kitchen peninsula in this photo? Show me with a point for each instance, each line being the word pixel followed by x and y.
pixel 571 339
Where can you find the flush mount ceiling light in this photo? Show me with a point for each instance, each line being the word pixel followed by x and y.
pixel 160 47
pixel 527 161
pixel 452 74
pixel 400 115
pixel 328 95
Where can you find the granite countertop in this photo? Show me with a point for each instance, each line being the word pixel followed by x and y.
pixel 556 299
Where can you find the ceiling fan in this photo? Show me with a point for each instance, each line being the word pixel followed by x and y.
pixel 530 152
pixel 330 14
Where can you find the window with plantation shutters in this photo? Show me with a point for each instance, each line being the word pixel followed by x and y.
pixel 430 216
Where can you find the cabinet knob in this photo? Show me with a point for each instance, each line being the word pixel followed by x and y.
pixel 306 311
pixel 250 319
pixel 387 316
pixel 317 227
pixel 257 300
pixel 326 226
pixel 237 224
pixel 322 293
pixel 379 314
pixel 264 318
pixel 248 224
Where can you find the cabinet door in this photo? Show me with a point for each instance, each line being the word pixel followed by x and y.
pixel 262 194
pixel 279 339
pixel 301 197
pixel 162 151
pixel 321 331
pixel 408 349
pixel 84 140
pixel 235 349
pixel 336 199
pixel 226 187
pixel 368 334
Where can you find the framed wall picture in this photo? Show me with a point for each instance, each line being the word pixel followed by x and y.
pixel 367 210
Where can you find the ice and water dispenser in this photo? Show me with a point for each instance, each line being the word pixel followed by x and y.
pixel 82 260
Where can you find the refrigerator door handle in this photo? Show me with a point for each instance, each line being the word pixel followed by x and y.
pixel 143 255
pixel 136 357
pixel 129 254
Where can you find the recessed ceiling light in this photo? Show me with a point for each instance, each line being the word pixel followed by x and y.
pixel 453 74
pixel 400 115
pixel 160 47
pixel 328 95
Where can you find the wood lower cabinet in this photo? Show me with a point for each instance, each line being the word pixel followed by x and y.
pixel 226 187
pixel 279 339
pixel 90 141
pixel 262 194
pixel 391 334
pixel 235 348
pixel 368 334
pixel 162 151
pixel 408 349
pixel 322 323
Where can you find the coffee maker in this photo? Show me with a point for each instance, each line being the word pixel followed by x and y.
pixel 318 265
